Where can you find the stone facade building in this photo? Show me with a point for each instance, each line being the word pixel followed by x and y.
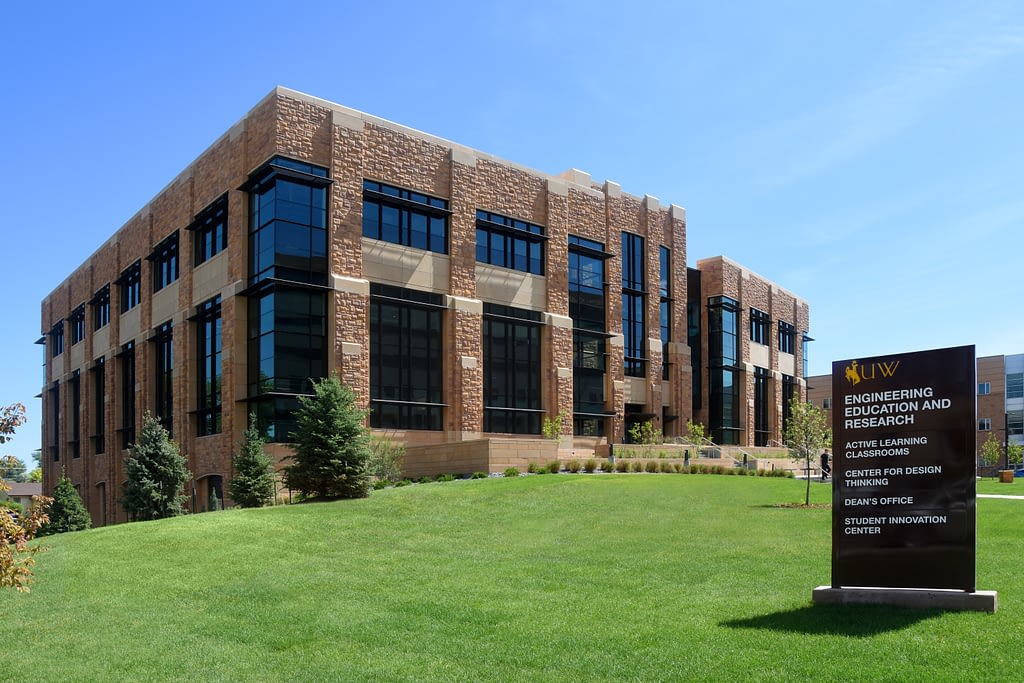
pixel 466 300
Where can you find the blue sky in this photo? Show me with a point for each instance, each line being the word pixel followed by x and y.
pixel 867 156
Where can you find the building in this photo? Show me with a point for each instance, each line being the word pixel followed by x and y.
pixel 1000 398
pixel 466 299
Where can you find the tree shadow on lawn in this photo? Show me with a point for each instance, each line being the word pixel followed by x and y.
pixel 860 621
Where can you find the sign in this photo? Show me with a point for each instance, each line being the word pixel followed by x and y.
pixel 903 476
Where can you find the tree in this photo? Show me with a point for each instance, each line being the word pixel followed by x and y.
pixel 332 450
pixel 13 469
pixel 156 473
pixel 67 513
pixel 991 451
pixel 16 555
pixel 1014 453
pixel 253 484
pixel 807 432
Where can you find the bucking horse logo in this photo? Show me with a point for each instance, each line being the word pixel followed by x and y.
pixel 852 374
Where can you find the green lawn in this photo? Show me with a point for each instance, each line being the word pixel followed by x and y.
pixel 543 578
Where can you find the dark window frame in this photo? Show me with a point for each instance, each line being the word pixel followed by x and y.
pixel 209 372
pixel 75 440
pixel 100 303
pixel 77 324
pixel 210 231
pixel 510 243
pixel 56 335
pixel 787 337
pixel 163 380
pixel 126 360
pixel 164 259
pixel 409 206
pixel 634 305
pixel 130 285
pixel 512 370
pixel 760 324
pixel 99 399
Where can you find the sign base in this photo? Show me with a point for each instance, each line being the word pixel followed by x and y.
pixel 917 598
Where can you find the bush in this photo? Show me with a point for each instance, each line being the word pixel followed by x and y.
pixel 479 475
pixel 666 467
pixel 573 466
pixel 379 484
pixel 622 466
pixel 511 471
pixel 386 458
pixel 677 467
pixel 554 467
pixel 636 466
pixel 607 466
pixel 651 466
pixel 589 465
pixel 67 513
pixel 425 480
pixel 532 468
pixel 404 482
pixel 444 477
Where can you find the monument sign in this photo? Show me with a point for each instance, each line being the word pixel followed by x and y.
pixel 903 491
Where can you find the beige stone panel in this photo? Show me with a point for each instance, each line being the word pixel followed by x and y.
pixel 77 356
pixel 131 324
pixel 511 287
pixel 760 355
pixel 209 278
pixel 635 390
pixel 165 304
pixel 101 342
pixel 405 267
pixel 787 364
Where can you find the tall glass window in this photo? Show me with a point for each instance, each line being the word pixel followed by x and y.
pixel 210 231
pixel 509 243
pixel 75 387
pixel 208 380
pixel 288 222
pixel 787 337
pixel 54 400
pixel 99 404
pixel 77 320
pixel 1015 385
pixel 762 378
pixel 406 362
pixel 101 308
pixel 165 262
pixel 512 370
pixel 130 284
pixel 405 217
pixel 789 390
pixel 1015 422
pixel 163 338
pixel 287 348
pixel 127 363
pixel 665 305
pixel 760 326
pixel 589 336
pixel 57 339
pixel 634 305
pixel 724 378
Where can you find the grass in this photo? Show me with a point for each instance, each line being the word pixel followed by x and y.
pixel 556 578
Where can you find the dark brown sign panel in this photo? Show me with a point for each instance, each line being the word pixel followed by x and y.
pixel 903 494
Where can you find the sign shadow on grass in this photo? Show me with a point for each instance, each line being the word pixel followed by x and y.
pixel 859 621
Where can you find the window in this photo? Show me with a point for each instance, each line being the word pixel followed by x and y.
pixel 789 391
pixel 77 320
pixel 1015 422
pixel 99 401
pixel 129 284
pixel 210 231
pixel 288 222
pixel 826 403
pixel 287 347
pixel 406 367
pixel 787 337
pixel 54 401
pixel 512 388
pixel 509 243
pixel 165 262
pixel 634 303
pixel 589 335
pixel 724 374
pixel 101 307
pixel 163 338
pixel 984 388
pixel 127 363
pixel 1015 385
pixel 762 376
pixel 75 386
pixel 759 325
pixel 405 217
pixel 665 305
pixel 208 380
pixel 57 339
pixel 984 424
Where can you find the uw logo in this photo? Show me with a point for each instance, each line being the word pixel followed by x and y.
pixel 856 373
